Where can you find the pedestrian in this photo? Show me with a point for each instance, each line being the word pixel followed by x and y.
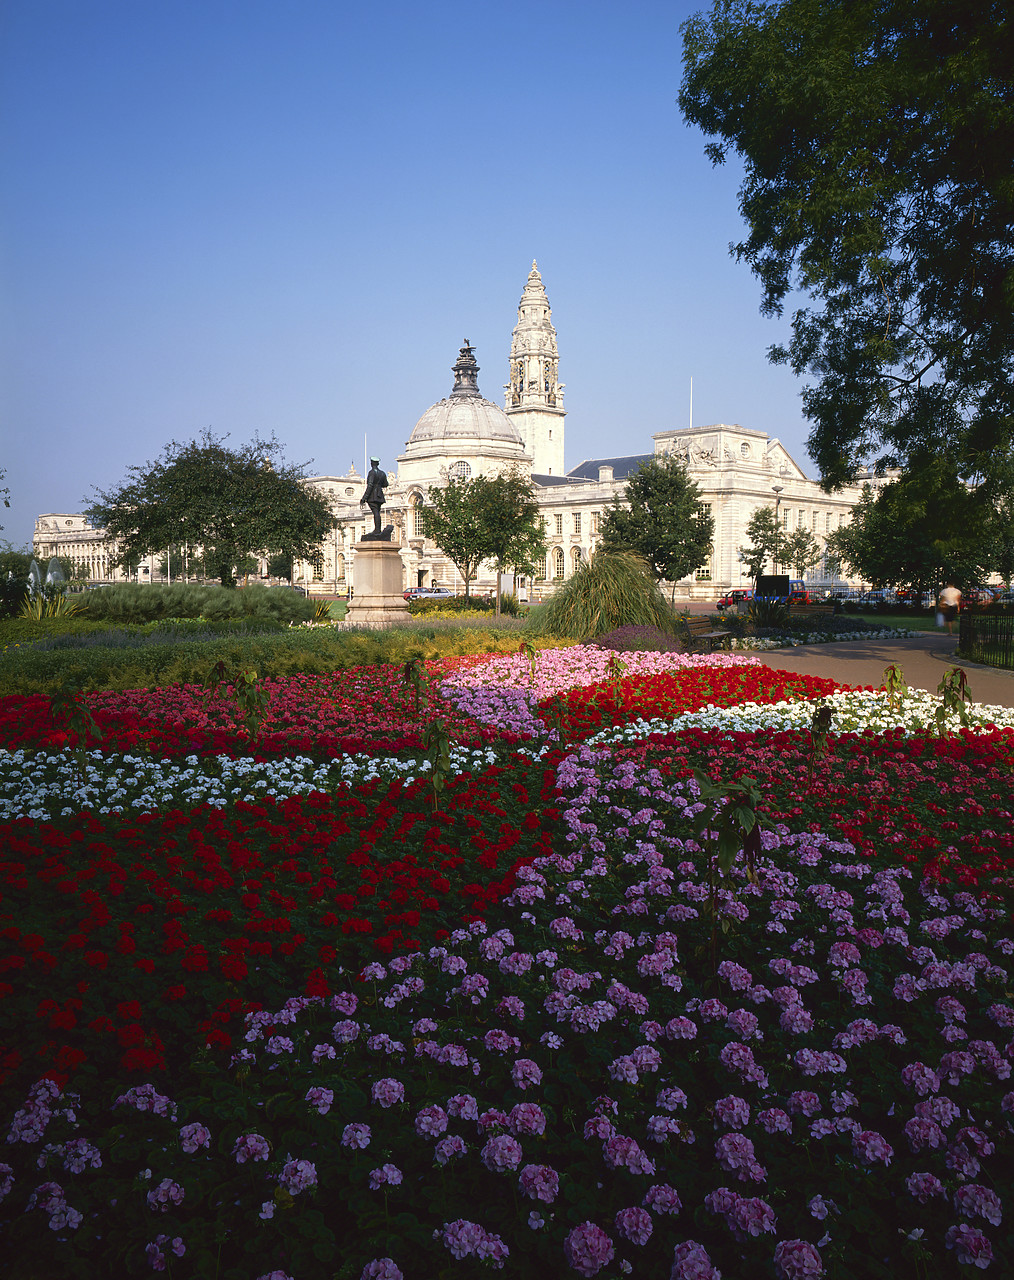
pixel 948 604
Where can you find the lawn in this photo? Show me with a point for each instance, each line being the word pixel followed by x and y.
pixel 557 963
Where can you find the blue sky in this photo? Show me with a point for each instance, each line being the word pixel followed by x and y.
pixel 285 216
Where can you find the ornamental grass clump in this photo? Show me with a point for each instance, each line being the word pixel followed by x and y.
pixel 612 589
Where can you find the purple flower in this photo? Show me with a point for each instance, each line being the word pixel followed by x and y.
pixel 691 1262
pixel 526 1118
pixel 634 1225
pixel 733 1112
pixel 448 1149
pixel 165 1194
pixel 670 1099
pixel 251 1146
pixel 681 1029
pixel 463 1106
pixel 345 1032
pixel 774 1120
pixel 662 1198
pixel 381 1269
pixel 319 1098
pixel 388 1092
pixel 539 1182
pixel 193 1136
pixel 923 1186
pixel 356 1135
pixel 869 1145
pixel 525 1073
pixel 431 1122
pixel 734 1152
pixel 388 1175
pixel 297 1176
pixel 588 1249
pixel 972 1199
pixel 972 1246
pixel 621 1152
pixel 797 1260
pixel 501 1154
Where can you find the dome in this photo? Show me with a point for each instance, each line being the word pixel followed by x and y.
pixel 464 416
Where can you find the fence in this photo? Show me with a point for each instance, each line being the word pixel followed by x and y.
pixel 987 638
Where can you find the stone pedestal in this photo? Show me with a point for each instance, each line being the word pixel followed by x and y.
pixel 378 599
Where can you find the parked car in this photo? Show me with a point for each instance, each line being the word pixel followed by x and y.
pixel 733 598
pixel 428 593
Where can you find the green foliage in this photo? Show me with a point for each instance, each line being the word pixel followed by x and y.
pixel 802 551
pixel 230 502
pixel 918 530
pixel 765 534
pixel 894 683
pixel 613 589
pixel 49 603
pixel 486 518
pixel 132 602
pixel 876 144
pixel 953 690
pixel 313 651
pixel 659 518
pixel 767 613
pixel 454 522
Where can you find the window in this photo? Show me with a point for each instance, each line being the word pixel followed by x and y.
pixel 577 521
pixel 827 521
pixel 786 518
pixel 744 449
pixel 558 524
pixel 596 522
pixel 341 568
pixel 801 522
pixel 559 564
pixel 703 574
pixel 460 471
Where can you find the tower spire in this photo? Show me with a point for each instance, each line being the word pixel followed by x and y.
pixel 535 394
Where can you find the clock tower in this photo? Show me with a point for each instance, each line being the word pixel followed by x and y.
pixel 534 400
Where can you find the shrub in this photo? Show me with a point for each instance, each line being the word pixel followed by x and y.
pixel 133 603
pixel 613 589
pixel 643 639
pixel 449 604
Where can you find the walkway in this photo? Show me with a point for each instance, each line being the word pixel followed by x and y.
pixel 923 659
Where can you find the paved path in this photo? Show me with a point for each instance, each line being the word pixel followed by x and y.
pixel 923 659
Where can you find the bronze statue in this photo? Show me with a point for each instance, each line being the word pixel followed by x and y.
pixel 376 483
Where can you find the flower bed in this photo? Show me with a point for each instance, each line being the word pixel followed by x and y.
pixel 577 1048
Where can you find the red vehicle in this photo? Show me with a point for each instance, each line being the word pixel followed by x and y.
pixel 732 598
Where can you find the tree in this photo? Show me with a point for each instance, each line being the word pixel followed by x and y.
pixel 660 518
pixel 515 533
pixel 765 544
pixel 917 531
pixel 876 140
pixel 5 493
pixel 802 551
pixel 454 522
pixel 280 566
pixel 230 502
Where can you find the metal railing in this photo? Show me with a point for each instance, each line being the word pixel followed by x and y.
pixel 987 638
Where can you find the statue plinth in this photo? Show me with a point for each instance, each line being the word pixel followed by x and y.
pixel 378 597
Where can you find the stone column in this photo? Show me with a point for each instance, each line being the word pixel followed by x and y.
pixel 378 599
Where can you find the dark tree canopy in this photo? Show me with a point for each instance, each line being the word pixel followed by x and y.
pixel 876 136
pixel 919 531
pixel 230 502
pixel 660 518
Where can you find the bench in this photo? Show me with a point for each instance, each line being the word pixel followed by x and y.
pixel 802 611
pixel 700 629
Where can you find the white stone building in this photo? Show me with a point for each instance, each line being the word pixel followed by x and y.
pixel 736 468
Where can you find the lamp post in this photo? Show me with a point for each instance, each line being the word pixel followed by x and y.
pixel 777 490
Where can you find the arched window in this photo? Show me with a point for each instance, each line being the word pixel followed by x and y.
pixel 416 521
pixel 460 471
pixel 559 563
pixel 575 555
pixel 341 568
